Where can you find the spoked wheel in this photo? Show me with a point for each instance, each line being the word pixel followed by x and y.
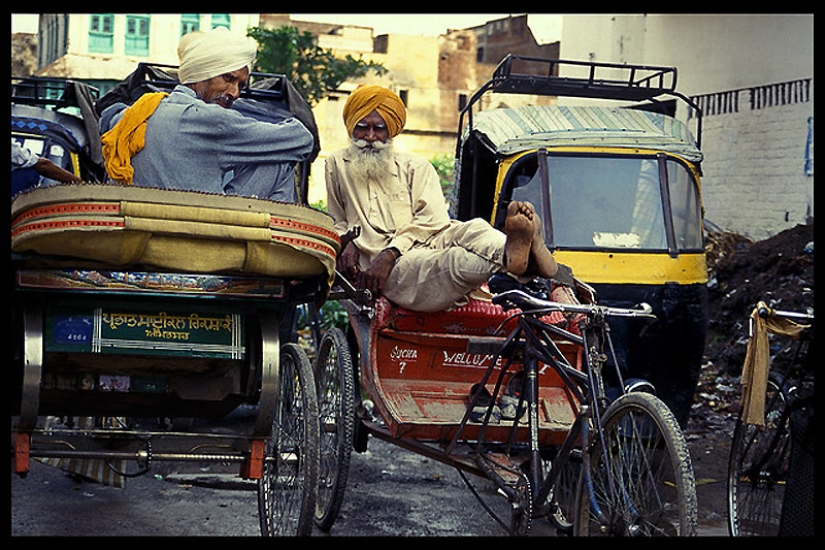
pixel 521 514
pixel 640 481
pixel 336 397
pixel 287 490
pixel 758 469
pixel 563 499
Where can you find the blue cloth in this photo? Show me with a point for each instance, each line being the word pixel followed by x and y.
pixel 23 174
pixel 21 157
pixel 23 179
pixel 194 145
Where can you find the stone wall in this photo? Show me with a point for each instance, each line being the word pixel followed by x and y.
pixel 23 54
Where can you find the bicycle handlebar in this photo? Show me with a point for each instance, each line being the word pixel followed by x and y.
pixel 348 291
pixel 766 312
pixel 526 302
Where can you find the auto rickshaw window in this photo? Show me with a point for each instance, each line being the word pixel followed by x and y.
pixel 648 221
pixel 685 206
pixel 606 202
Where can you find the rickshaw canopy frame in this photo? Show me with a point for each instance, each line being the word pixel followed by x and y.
pixel 639 83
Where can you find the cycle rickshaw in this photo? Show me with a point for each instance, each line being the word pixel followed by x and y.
pixel 141 317
pixel 593 458
pixel 523 388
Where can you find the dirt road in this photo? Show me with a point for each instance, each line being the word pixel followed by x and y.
pixel 395 492
pixel 391 492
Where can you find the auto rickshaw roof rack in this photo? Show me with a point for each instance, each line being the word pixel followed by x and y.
pixel 47 92
pixel 603 80
pixel 517 74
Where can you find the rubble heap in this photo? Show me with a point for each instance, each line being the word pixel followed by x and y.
pixel 778 271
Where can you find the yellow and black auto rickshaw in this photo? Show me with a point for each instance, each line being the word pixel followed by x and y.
pixel 618 192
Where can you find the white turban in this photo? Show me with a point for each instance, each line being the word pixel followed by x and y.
pixel 205 55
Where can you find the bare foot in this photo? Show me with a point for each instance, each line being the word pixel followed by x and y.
pixel 541 263
pixel 520 234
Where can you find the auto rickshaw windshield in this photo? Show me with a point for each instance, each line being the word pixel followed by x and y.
pixel 615 202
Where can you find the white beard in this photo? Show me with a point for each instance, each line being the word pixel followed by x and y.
pixel 373 161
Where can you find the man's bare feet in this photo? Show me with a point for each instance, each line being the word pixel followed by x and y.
pixel 541 263
pixel 518 226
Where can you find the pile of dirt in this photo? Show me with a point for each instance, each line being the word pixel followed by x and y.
pixel 778 271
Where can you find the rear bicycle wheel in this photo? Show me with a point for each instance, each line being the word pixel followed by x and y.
pixel 336 397
pixel 288 487
pixel 758 468
pixel 563 498
pixel 640 480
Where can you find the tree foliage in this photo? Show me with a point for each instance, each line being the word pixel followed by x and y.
pixel 314 71
pixel 445 168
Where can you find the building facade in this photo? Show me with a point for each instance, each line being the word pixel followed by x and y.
pixel 752 76
pixel 434 76
pixel 103 48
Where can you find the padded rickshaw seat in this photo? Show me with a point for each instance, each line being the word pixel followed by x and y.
pixel 175 230
pixel 478 317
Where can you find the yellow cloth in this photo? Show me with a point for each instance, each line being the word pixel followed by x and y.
pixel 757 360
pixel 128 137
pixel 366 99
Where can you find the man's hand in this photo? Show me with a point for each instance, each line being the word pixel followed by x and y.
pixel 347 263
pixel 376 274
pixel 350 236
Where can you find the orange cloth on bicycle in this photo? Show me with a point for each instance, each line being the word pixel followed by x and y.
pixel 366 99
pixel 128 137
pixel 757 361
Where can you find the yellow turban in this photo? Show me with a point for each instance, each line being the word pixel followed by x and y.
pixel 366 99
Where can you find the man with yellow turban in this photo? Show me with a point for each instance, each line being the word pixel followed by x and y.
pixel 192 138
pixel 409 249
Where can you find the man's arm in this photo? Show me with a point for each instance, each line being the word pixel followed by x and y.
pixel 374 277
pixel 245 140
pixel 48 169
pixel 429 209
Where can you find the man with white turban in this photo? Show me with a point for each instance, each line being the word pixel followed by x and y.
pixel 409 249
pixel 192 139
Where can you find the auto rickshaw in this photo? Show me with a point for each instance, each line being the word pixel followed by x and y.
pixel 617 188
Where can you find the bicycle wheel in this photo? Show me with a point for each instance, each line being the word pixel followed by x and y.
pixel 563 499
pixel 287 490
pixel 640 480
pixel 336 400
pixel 758 468
pixel 306 328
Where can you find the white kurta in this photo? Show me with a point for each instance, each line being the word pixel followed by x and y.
pixel 442 260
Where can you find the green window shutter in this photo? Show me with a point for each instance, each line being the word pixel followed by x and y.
pixel 137 35
pixel 221 20
pixel 189 22
pixel 102 33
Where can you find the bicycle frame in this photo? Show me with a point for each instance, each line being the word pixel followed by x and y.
pixel 587 386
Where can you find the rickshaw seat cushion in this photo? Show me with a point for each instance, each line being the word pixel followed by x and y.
pixel 178 230
pixel 478 317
